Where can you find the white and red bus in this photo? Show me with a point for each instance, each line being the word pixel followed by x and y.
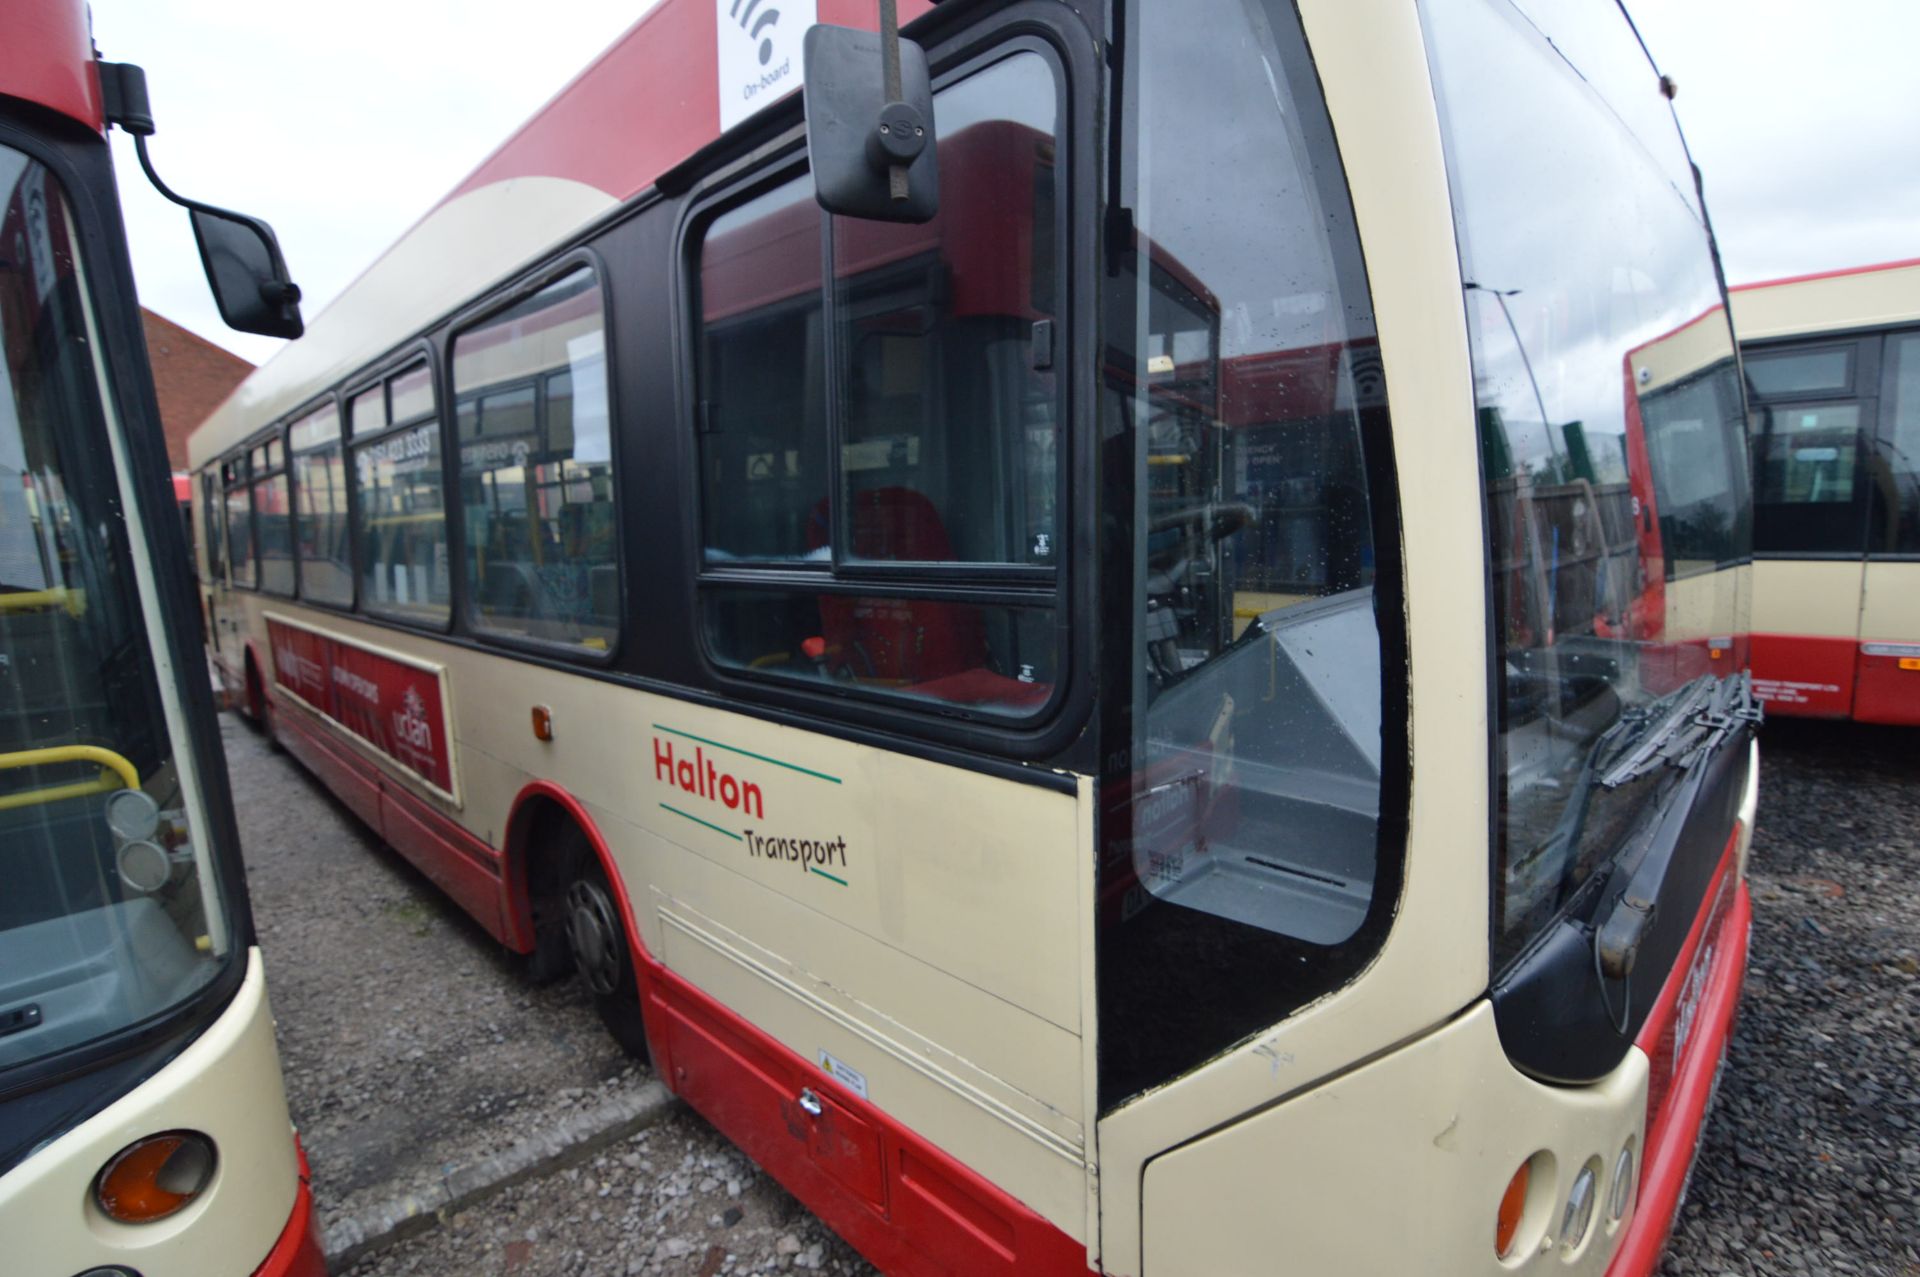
pixel 1182 709
pixel 143 1128
pixel 1833 376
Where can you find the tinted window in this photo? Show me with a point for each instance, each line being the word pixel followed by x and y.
pixel 947 420
pixel 1243 411
pixel 1809 433
pixel 320 490
pixel 948 443
pixel 763 428
pixel 239 518
pixel 1609 415
pixel 1694 445
pixel 273 526
pixel 1801 372
pixel 536 467
pixel 401 520
pixel 1896 459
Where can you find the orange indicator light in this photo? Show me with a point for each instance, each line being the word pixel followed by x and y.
pixel 152 1178
pixel 1512 1205
pixel 542 723
pixel 1910 662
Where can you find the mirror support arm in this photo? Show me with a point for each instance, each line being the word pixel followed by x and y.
pixel 890 76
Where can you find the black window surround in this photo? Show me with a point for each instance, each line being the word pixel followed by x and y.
pixel 1047 588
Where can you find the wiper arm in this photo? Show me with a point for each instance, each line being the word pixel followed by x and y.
pixel 1702 718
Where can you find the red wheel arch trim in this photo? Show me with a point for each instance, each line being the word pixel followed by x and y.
pixel 516 909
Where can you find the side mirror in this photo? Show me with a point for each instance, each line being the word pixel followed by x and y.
pixel 241 256
pixel 873 153
pixel 247 273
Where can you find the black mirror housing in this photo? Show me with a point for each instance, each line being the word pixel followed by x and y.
pixel 249 277
pixel 856 137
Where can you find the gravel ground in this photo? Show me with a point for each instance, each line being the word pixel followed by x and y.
pixel 411 1043
pixel 409 1039
pixel 1811 1163
pixel 675 1199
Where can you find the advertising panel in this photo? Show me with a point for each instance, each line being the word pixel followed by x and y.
pixel 393 705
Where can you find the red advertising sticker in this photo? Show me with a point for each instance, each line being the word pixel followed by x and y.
pixel 393 706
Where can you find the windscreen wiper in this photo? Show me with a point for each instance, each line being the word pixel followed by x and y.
pixel 1699 722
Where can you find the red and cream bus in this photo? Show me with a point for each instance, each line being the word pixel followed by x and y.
pixel 1833 376
pixel 143 1128
pixel 1179 708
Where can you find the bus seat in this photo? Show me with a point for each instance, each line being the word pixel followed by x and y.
pixel 904 642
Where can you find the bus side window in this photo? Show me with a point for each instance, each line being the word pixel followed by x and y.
pixel 272 518
pixel 536 467
pixel 1809 438
pixel 237 514
pixel 401 519
pixel 320 493
pixel 939 341
pixel 1896 488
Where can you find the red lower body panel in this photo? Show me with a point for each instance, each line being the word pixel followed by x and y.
pixel 461 865
pixel 1805 677
pixel 1685 1037
pixel 1884 691
pixel 297 1253
pixel 905 1205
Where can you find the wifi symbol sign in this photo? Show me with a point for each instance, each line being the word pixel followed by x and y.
pixel 742 12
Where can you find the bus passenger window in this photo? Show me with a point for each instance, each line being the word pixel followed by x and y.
pixel 272 519
pixel 763 433
pixel 1810 443
pixel 940 341
pixel 239 516
pixel 401 519
pixel 949 440
pixel 536 467
pixel 320 493
pixel 1896 476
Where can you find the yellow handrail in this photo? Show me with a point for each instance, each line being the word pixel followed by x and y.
pixel 115 773
pixel 74 601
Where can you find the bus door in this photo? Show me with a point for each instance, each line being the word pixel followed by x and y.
pixel 1811 426
pixel 1887 678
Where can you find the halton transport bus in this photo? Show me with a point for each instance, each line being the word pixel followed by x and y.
pixel 1833 375
pixel 143 1128
pixel 1159 691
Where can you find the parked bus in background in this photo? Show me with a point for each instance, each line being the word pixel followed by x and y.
pixel 1143 695
pixel 1833 375
pixel 143 1129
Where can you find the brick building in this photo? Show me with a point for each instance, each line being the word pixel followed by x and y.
pixel 191 376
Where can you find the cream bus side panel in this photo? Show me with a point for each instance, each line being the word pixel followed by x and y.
pixel 1890 608
pixel 1863 299
pixel 1372 66
pixel 1706 605
pixel 1808 597
pixel 1395 1164
pixel 938 953
pixel 942 957
pixel 226 1084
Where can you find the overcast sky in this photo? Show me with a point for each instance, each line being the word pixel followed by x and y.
pixel 342 124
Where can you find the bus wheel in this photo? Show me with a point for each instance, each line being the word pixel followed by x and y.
pixel 259 708
pixel 598 941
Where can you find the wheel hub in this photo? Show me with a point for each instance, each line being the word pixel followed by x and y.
pixel 593 934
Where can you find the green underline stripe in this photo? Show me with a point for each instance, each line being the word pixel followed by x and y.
pixel 824 874
pixel 808 771
pixel 708 823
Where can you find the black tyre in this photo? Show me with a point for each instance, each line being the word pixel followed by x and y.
pixel 597 938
